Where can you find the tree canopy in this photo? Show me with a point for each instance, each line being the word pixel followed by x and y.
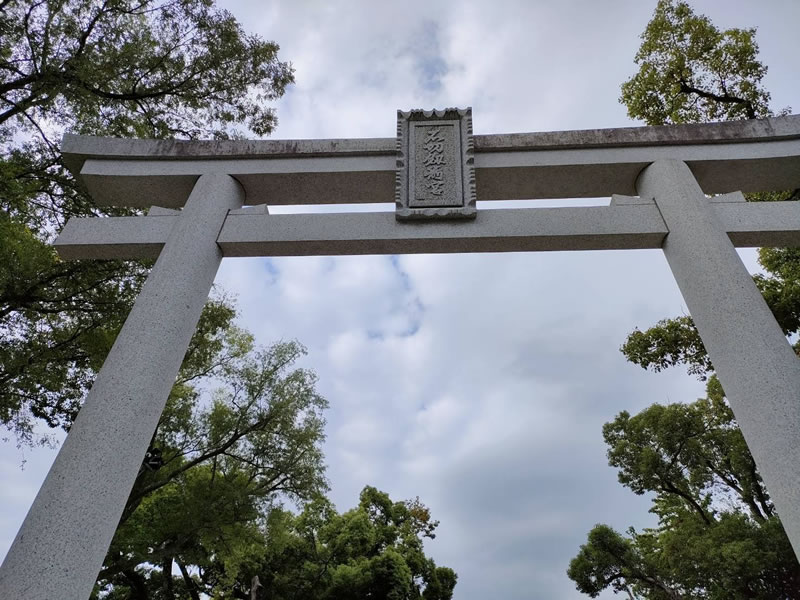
pixel 219 462
pixel 374 550
pixel 142 68
pixel 718 534
pixel 137 68
pixel 690 71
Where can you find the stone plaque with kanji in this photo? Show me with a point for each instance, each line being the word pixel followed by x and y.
pixel 435 165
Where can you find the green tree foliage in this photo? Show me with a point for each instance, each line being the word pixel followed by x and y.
pixel 372 551
pixel 690 71
pixel 718 536
pixel 138 68
pixel 142 68
pixel 225 460
pixel 208 520
pixel 672 342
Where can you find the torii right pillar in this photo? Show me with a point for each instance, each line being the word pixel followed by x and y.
pixel 756 365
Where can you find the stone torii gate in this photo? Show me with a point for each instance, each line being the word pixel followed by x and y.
pixel 435 171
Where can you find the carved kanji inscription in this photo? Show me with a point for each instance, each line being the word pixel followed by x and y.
pixel 435 172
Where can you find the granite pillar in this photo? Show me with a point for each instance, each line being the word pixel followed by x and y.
pixel 62 543
pixel 756 365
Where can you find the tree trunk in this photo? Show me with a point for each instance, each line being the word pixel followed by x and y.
pixel 190 583
pixel 255 585
pixel 138 585
pixel 167 583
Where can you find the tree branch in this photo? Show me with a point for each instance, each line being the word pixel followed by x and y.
pixel 190 583
pixel 670 488
pixel 725 98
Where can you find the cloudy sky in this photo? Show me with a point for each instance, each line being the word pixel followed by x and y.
pixel 479 383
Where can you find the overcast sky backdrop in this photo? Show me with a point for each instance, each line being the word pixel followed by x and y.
pixel 479 383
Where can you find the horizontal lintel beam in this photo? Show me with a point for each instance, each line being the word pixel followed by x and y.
pixel 113 237
pixel 627 226
pixel 499 175
pixel 511 230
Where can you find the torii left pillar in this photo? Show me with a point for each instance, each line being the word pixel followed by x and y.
pixel 59 550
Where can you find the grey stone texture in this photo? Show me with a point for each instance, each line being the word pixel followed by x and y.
pixel 435 176
pixel 114 237
pixel 631 222
pixel 434 169
pixel 755 363
pixel 749 156
pixel 78 148
pixel 60 548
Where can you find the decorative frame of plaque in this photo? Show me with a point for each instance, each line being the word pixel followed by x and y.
pixel 435 165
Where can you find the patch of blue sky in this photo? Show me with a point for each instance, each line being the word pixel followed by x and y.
pixel 406 305
pixel 430 64
pixel 431 71
pixel 413 326
pixel 269 267
pixel 394 260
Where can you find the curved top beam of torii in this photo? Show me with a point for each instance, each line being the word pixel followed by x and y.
pixel 748 156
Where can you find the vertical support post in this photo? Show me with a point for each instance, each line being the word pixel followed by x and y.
pixel 60 547
pixel 757 366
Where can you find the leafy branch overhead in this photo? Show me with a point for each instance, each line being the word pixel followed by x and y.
pixel 147 68
pixel 690 71
pixel 675 341
pixel 228 458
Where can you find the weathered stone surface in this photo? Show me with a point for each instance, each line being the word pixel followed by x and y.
pixel 755 363
pixel 78 148
pixel 750 156
pixel 61 545
pixel 435 165
pixel 253 232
